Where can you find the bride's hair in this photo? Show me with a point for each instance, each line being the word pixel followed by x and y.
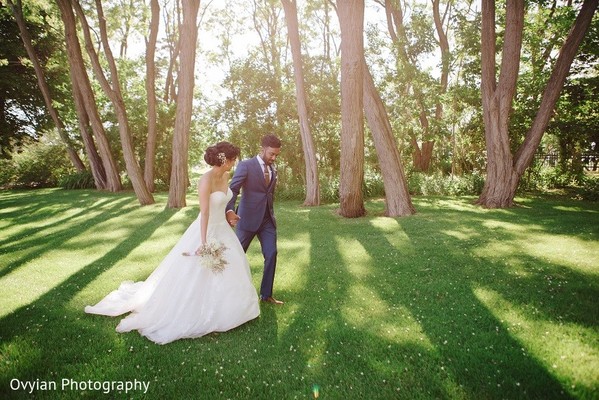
pixel 220 153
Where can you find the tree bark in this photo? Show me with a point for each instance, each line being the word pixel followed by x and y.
pixel 17 10
pixel 525 153
pixel 174 44
pixel 113 92
pixel 444 48
pixel 397 196
pixel 312 184
pixel 188 38
pixel 504 170
pixel 95 161
pixel 151 94
pixel 497 97
pixel 82 84
pixel 421 156
pixel 351 22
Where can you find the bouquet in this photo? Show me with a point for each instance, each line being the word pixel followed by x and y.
pixel 212 256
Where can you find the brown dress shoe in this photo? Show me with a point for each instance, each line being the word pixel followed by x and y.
pixel 272 300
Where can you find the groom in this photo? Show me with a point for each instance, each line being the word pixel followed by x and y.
pixel 256 179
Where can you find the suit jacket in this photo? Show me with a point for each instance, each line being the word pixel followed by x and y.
pixel 257 198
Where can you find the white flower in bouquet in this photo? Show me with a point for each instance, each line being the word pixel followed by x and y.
pixel 212 256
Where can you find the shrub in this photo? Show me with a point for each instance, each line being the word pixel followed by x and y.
pixel 329 190
pixel 8 173
pixel 373 185
pixel 79 180
pixel 40 164
pixel 590 188
pixel 548 178
pixel 420 183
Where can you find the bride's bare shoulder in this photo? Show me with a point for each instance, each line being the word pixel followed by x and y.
pixel 206 180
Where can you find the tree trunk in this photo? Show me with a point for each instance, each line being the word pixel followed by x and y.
pixel 527 150
pixel 151 94
pixel 312 184
pixel 17 10
pixel 497 97
pixel 421 157
pixel 188 38
pixel 503 170
pixel 351 22
pixel 444 48
pixel 113 92
pixel 170 87
pixel 427 147
pixel 397 196
pixel 95 161
pixel 266 23
pixel 82 84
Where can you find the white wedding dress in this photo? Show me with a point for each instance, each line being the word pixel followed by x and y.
pixel 183 299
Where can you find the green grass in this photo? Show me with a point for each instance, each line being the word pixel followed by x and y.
pixel 454 302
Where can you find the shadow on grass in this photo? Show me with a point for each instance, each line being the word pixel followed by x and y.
pixel 464 350
pixel 35 241
pixel 27 223
pixel 20 205
pixel 404 319
pixel 37 336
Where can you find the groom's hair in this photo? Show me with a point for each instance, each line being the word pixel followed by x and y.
pixel 271 141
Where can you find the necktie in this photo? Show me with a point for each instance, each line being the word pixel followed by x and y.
pixel 266 175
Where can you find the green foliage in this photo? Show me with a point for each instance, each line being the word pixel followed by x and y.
pixel 419 184
pixel 437 184
pixel 259 89
pixel 454 302
pixel 590 188
pixel 7 172
pixel 372 187
pixel 575 124
pixel 22 109
pixel 38 164
pixel 329 190
pixel 583 186
pixel 79 180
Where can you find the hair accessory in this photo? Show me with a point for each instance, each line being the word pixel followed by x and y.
pixel 222 158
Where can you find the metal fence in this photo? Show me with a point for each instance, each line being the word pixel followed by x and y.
pixel 589 161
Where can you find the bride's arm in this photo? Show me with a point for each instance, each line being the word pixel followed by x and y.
pixel 204 188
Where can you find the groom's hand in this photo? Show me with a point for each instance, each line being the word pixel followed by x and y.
pixel 232 218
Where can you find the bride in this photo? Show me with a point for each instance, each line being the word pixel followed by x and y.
pixel 204 284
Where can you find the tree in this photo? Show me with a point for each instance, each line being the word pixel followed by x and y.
pixel 95 160
pixel 397 196
pixel 266 20
pixel 17 10
pixel 188 39
pixel 84 96
pixel 22 112
pixel 151 94
pixel 574 126
pixel 112 89
pixel 504 169
pixel 312 185
pixel 172 25
pixel 425 92
pixel 351 21
pixel 407 53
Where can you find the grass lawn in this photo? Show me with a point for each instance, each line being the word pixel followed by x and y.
pixel 454 302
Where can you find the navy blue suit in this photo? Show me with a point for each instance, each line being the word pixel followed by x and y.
pixel 257 217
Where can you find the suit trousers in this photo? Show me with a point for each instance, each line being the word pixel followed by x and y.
pixel 267 235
